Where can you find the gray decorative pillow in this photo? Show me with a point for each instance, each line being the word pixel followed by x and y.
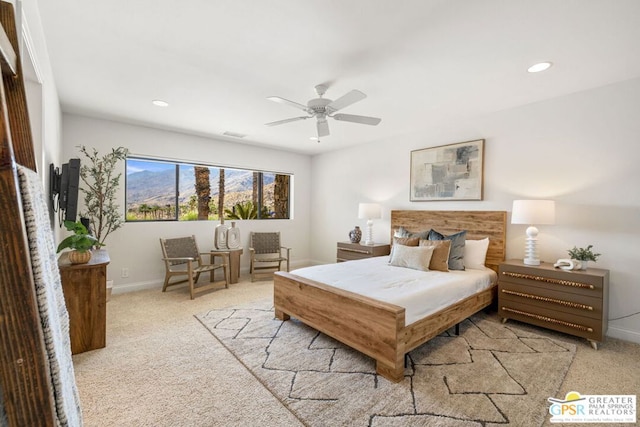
pixel 403 232
pixel 456 254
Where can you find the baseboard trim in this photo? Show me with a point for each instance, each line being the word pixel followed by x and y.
pixel 623 334
pixel 137 286
pixel 157 283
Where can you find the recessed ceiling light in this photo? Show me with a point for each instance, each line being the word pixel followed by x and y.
pixel 540 66
pixel 160 103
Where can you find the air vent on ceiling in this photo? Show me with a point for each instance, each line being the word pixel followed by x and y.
pixel 234 134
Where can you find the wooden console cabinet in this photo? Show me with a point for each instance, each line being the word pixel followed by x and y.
pixel 574 302
pixel 348 251
pixel 85 293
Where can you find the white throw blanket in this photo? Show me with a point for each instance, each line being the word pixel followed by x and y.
pixel 51 304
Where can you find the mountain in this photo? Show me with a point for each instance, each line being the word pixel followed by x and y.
pixel 158 187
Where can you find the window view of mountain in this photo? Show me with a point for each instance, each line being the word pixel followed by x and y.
pixel 151 191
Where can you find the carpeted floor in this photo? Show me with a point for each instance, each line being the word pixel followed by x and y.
pixel 161 367
pixel 491 374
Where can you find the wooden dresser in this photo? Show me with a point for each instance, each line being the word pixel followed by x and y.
pixel 85 293
pixel 574 302
pixel 348 251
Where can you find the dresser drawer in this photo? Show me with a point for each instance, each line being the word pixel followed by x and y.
pixel 579 284
pixel 350 251
pixel 580 326
pixel 574 304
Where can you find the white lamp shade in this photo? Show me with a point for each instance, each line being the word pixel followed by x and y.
pixel 369 211
pixel 533 212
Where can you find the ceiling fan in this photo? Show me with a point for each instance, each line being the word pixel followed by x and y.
pixel 321 108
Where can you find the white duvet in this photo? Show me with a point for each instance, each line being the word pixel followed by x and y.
pixel 421 293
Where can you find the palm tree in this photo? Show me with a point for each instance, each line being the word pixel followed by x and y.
pixel 144 210
pixel 281 196
pixel 243 210
pixel 221 195
pixel 203 191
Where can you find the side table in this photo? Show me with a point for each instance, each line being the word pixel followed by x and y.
pixel 574 302
pixel 234 263
pixel 85 294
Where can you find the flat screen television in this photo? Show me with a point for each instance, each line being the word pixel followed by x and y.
pixel 64 189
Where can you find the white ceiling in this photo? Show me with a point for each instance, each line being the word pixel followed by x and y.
pixel 421 62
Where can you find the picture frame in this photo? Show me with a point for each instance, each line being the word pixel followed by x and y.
pixel 448 172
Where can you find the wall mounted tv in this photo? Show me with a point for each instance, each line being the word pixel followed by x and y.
pixel 64 188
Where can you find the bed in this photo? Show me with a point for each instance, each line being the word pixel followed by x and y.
pixel 379 329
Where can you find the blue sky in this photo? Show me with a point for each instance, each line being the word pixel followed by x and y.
pixel 134 166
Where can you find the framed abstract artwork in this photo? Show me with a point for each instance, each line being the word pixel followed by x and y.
pixel 448 172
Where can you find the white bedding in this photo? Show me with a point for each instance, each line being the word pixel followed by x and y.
pixel 421 293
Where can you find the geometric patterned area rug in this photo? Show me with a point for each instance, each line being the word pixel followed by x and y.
pixel 489 375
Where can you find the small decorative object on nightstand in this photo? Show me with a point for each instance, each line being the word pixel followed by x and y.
pixel 355 235
pixel 349 251
pixel 584 255
pixel 574 302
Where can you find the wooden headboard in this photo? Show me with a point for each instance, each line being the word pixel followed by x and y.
pixel 478 224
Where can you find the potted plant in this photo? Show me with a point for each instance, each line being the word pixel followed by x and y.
pixel 584 255
pixel 81 243
pixel 100 186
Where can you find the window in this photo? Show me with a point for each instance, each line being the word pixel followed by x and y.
pixel 158 190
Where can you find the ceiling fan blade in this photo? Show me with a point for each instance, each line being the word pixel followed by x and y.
pixel 287 102
pixel 346 100
pixel 323 128
pixel 281 122
pixel 365 120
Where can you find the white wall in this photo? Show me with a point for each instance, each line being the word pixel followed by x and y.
pixel 136 246
pixel 581 150
pixel 42 96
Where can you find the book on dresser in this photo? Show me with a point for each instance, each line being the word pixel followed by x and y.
pixel 574 302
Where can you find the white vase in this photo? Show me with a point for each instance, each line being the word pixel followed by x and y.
pixel 579 265
pixel 220 236
pixel 233 236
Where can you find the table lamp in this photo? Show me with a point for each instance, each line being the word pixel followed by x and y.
pixel 533 212
pixel 369 211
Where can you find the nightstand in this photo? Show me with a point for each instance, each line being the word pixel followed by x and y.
pixel 348 251
pixel 574 302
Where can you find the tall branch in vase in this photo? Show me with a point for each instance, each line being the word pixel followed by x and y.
pixel 101 182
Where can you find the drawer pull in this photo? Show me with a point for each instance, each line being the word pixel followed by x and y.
pixel 548 280
pixel 547 299
pixel 549 319
pixel 358 251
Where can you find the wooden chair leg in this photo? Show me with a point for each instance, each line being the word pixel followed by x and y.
pixel 166 282
pixel 191 283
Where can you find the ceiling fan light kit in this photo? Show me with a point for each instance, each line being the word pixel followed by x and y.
pixel 321 108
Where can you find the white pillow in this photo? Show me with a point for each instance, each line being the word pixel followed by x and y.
pixel 415 257
pixel 475 253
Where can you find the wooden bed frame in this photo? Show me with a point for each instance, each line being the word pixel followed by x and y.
pixel 377 328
